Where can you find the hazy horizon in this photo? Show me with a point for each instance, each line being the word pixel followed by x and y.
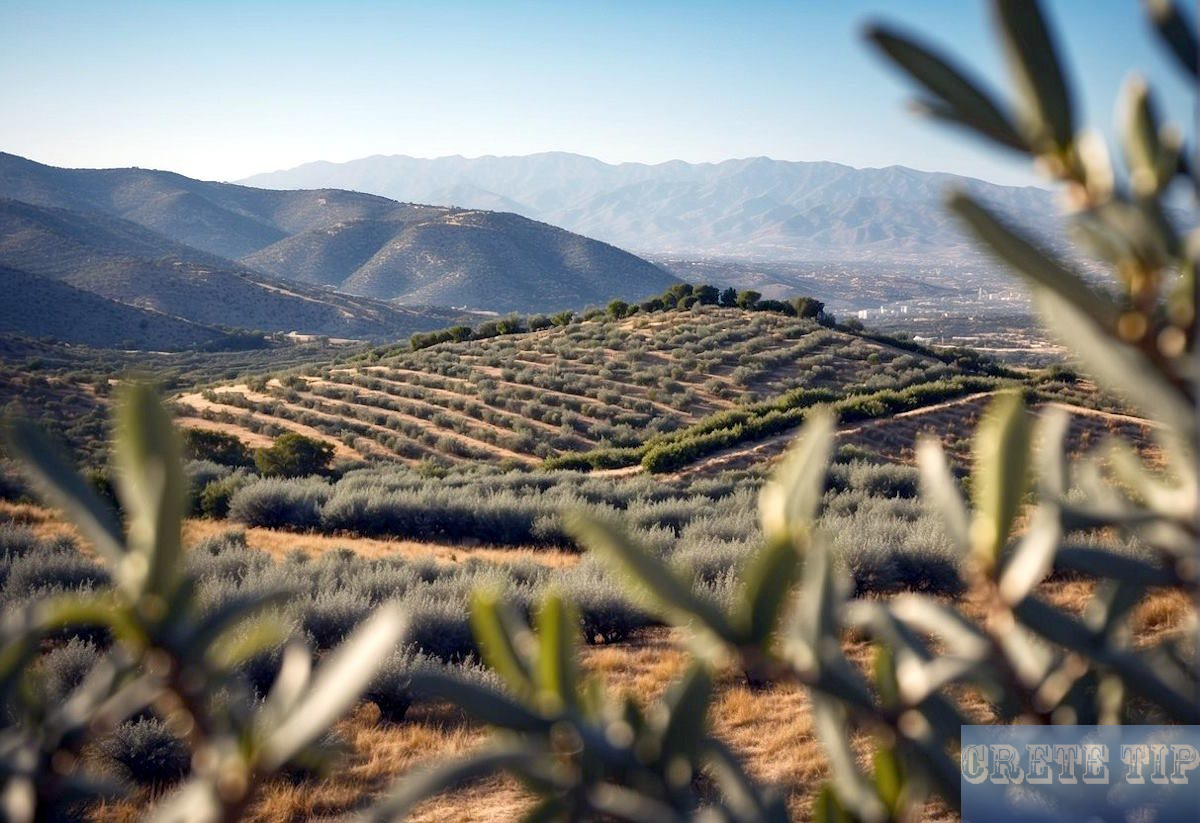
pixel 1032 183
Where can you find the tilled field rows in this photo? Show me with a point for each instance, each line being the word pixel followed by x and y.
pixel 522 398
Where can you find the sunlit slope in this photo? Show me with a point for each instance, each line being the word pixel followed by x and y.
pixel 587 387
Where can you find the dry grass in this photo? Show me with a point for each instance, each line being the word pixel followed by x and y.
pixel 1162 614
pixel 770 728
pixel 278 543
pixel 46 523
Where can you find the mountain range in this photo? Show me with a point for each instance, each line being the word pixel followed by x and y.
pixel 193 259
pixel 755 208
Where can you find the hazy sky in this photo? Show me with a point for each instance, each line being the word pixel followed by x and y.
pixel 221 90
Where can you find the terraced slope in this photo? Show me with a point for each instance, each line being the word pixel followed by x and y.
pixel 596 386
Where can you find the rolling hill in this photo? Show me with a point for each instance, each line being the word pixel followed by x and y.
pixel 361 244
pixel 675 391
pixel 600 392
pixel 41 307
pixel 121 261
pixel 751 208
pixel 465 258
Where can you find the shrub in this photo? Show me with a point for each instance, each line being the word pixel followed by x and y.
pixel 200 474
pixel 435 514
pixel 147 752
pixel 215 497
pixel 57 567
pixel 17 541
pixel 330 617
pixel 216 446
pixel 391 690
pixel 606 613
pixel 747 299
pixel 64 668
pixel 293 455
pixel 226 558
pixel 275 503
pixel 12 485
pixel 618 309
pixel 260 670
pixel 440 628
pixel 707 560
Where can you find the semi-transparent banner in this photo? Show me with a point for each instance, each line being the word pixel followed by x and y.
pixel 1081 773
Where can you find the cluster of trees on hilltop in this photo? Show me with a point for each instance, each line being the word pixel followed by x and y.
pixel 678 296
pixel 685 295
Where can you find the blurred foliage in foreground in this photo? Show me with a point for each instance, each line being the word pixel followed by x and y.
pixel 171 656
pixel 585 753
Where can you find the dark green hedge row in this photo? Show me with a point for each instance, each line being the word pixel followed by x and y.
pixel 670 452
pixel 686 447
pixel 616 458
pixel 964 358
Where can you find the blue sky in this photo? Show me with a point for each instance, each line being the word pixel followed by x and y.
pixel 222 90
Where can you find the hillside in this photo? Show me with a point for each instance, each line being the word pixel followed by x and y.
pixel 362 244
pixel 755 207
pixel 67 388
pixel 222 219
pixel 121 261
pixel 599 392
pixel 35 306
pixel 474 258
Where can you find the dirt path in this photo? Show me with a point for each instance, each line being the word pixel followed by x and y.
pixel 427 425
pixel 252 440
pixel 769 447
pixel 624 471
pixel 923 410
pixel 197 402
pixel 279 543
pixel 399 398
pixel 1116 417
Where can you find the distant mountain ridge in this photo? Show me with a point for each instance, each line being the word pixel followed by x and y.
pixel 330 262
pixel 752 208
